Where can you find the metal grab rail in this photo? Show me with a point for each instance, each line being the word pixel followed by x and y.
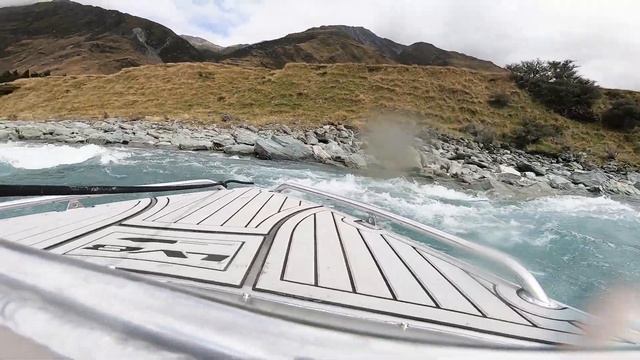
pixel 534 292
pixel 43 200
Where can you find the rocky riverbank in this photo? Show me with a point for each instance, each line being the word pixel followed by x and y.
pixel 437 157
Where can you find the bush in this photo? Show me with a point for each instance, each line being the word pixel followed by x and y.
pixel 499 100
pixel 532 132
pixel 558 86
pixel 481 134
pixel 622 115
pixel 9 76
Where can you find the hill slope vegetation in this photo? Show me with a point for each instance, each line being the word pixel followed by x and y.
pixel 306 95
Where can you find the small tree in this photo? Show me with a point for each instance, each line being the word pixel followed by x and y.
pixel 622 115
pixel 533 131
pixel 557 85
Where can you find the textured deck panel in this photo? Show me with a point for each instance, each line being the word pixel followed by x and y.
pixel 295 250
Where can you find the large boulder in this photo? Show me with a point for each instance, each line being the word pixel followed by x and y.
pixel 245 136
pixel 334 150
pixel 559 182
pixel 282 147
pixel 30 133
pixel 590 179
pixel 620 188
pixel 528 167
pixel 320 154
pixel 187 143
pixel 6 135
pixel 219 141
pixel 356 161
pixel 310 138
pixel 239 149
pixel 503 169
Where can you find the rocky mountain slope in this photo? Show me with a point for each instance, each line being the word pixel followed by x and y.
pixel 65 37
pixel 346 44
pixel 69 38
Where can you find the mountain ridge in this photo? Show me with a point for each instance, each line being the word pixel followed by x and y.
pixel 65 37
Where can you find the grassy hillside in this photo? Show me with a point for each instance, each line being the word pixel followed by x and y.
pixel 304 95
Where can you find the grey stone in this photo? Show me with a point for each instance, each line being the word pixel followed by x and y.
pixel 503 169
pixel 559 182
pixel 6 135
pixel 239 149
pixel 310 138
pixel 99 139
pixel 528 167
pixel 590 179
pixel 334 150
pixel 529 175
pixel 618 187
pixel 356 161
pixel 282 148
pixel 244 136
pixel 30 133
pixel 221 140
pixel 320 154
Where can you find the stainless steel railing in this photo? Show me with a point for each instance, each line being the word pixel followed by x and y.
pixel 529 284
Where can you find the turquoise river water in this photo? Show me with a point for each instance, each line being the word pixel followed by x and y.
pixel 578 247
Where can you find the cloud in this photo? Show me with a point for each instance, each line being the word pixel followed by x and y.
pixel 602 36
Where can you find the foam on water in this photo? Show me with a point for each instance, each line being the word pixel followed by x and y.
pixel 33 157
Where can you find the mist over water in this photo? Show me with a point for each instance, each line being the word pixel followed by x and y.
pixel 578 247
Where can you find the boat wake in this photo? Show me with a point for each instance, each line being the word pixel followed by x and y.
pixel 36 157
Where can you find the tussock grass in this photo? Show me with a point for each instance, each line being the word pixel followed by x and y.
pixel 303 95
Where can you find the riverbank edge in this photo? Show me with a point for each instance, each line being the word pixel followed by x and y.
pixel 433 156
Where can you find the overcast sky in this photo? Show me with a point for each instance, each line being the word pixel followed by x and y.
pixel 603 36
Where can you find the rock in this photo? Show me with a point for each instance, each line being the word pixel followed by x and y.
pixel 62 131
pixel 310 138
pixel 527 167
pixel 30 133
pixel 529 175
pixel 239 149
pixel 334 150
pixel 503 169
pixel 356 161
pixel 535 190
pixel 187 143
pixel 476 162
pixel 633 177
pixel 509 178
pixel 220 141
pixel 7 135
pixel 282 147
pixel 590 179
pixel 618 187
pixel 99 139
pixel 454 169
pixel 244 136
pixel 558 182
pixel 320 154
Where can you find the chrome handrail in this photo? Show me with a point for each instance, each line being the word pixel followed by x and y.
pixel 43 200
pixel 528 282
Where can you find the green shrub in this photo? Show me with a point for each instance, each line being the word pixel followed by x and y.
pixel 558 86
pixel 499 100
pixel 532 132
pixel 622 115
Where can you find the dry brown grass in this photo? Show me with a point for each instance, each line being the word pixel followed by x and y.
pixel 301 95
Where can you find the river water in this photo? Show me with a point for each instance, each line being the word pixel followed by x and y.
pixel 577 247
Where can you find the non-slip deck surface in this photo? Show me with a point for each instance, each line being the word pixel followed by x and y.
pixel 297 250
